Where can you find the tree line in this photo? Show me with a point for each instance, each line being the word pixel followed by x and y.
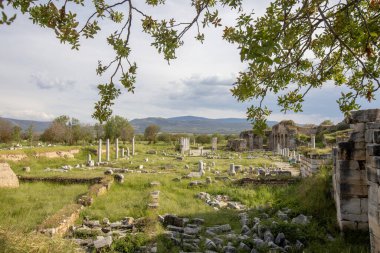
pixel 68 130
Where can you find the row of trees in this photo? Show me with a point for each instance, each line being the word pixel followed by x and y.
pixel 68 130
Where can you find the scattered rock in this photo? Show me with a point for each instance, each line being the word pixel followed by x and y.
pixel 301 219
pixel 119 178
pixel 155 183
pixel 108 172
pixel 102 242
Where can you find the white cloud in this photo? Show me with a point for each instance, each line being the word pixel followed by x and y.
pixel 44 82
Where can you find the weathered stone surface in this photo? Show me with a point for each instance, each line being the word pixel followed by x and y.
pixel 8 178
pixel 363 116
pixel 119 178
pixel 26 169
pixel 155 183
pixel 108 172
pixel 373 149
pixel 301 219
pixel 350 206
pixel 372 174
pixel 102 242
pixel 173 220
pixel 345 150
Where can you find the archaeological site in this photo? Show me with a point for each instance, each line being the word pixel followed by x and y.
pixel 192 126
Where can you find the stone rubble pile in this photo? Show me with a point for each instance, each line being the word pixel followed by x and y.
pixel 259 171
pixel 191 235
pixel 95 234
pixel 220 201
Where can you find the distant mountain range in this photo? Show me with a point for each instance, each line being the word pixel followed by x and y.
pixel 183 124
pixel 199 125
pixel 38 126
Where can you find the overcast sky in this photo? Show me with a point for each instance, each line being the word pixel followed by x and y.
pixel 41 78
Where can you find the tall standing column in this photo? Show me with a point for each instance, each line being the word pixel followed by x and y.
pixel 133 145
pixel 117 148
pixel 100 151
pixel 108 150
pixel 122 152
pixel 313 141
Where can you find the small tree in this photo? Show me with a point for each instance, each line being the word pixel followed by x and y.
pixel 165 137
pixel 203 139
pixel 327 123
pixel 16 133
pixel 30 134
pixel 118 127
pixel 6 130
pixel 151 132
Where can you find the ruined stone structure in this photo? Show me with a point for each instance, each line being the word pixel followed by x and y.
pixel 8 178
pixel 311 164
pixel 355 178
pixel 237 145
pixel 254 141
pixel 285 134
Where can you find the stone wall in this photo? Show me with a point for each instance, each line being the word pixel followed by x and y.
pixel 237 145
pixel 312 163
pixel 355 178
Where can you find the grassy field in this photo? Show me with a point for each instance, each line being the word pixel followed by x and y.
pixel 155 162
pixel 310 197
pixel 24 208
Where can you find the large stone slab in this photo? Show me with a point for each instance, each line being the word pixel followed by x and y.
pixel 8 178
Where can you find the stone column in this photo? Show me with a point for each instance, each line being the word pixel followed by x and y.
pixel 133 145
pixel 200 166
pixel 250 142
pixel 182 145
pixel 313 141
pixel 128 152
pixel 100 151
pixel 214 143
pixel 108 150
pixel 122 153
pixel 117 148
pixel 232 169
